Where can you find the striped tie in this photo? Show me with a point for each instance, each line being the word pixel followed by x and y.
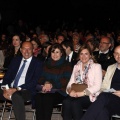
pixel 19 74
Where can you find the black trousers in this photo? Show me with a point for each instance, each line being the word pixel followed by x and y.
pixel 18 99
pixel 44 103
pixel 103 108
pixel 72 108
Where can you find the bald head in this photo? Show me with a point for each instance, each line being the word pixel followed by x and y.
pixel 117 54
pixel 117 48
pixel 27 49
pixel 27 43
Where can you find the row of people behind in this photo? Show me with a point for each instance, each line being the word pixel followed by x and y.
pixel 49 83
pixel 41 51
pixel 40 44
pixel 76 37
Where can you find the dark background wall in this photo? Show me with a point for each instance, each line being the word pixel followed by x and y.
pixel 94 12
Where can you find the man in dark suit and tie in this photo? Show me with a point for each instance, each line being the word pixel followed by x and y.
pixel 21 78
pixel 71 56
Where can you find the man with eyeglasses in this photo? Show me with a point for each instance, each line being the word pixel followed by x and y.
pixel 104 56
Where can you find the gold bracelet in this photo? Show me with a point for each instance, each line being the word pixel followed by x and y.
pixel 84 93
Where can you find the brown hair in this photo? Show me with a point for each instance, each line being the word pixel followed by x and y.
pixel 86 46
pixel 57 46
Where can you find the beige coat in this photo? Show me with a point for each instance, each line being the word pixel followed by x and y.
pixel 108 77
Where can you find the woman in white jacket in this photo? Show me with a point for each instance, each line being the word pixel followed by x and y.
pixel 88 72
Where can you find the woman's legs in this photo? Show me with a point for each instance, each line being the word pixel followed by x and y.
pixel 38 106
pixel 73 107
pixel 67 109
pixel 44 104
pixel 78 105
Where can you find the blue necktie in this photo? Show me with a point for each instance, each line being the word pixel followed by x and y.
pixel 19 74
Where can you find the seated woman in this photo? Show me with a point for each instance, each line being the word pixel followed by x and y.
pixel 88 72
pixel 107 103
pixel 93 43
pixel 36 47
pixel 52 83
pixel 14 49
pixel 44 56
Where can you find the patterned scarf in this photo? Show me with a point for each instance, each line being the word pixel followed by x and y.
pixel 82 75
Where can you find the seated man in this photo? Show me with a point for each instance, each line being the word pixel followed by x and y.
pixel 71 56
pixel 104 56
pixel 107 103
pixel 20 79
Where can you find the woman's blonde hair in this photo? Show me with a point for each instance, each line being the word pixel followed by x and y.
pixel 86 46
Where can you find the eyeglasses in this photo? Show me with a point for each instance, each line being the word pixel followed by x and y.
pixel 104 43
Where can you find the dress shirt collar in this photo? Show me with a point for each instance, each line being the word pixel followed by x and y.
pixel 28 60
pixel 117 66
pixel 104 52
pixel 70 56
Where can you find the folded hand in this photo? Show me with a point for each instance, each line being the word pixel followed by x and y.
pixel 117 93
pixel 8 93
pixel 47 87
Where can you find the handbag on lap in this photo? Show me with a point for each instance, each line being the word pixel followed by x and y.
pixel 78 87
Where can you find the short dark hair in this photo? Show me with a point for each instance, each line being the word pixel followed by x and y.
pixel 59 34
pixel 35 40
pixel 59 46
pixel 68 44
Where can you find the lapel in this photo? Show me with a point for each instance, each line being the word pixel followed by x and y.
pixel 108 77
pixel 17 64
pixel 30 70
pixel 112 71
pixel 74 56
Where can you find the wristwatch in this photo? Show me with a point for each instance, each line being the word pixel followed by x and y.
pixel 84 93
pixel 18 88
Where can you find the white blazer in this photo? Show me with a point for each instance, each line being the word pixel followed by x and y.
pixel 94 79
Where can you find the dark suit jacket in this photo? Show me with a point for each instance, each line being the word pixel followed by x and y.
pixel 32 75
pixel 74 59
pixel 104 59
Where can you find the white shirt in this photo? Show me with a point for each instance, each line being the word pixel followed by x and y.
pixel 104 52
pixel 23 75
pixel 70 56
